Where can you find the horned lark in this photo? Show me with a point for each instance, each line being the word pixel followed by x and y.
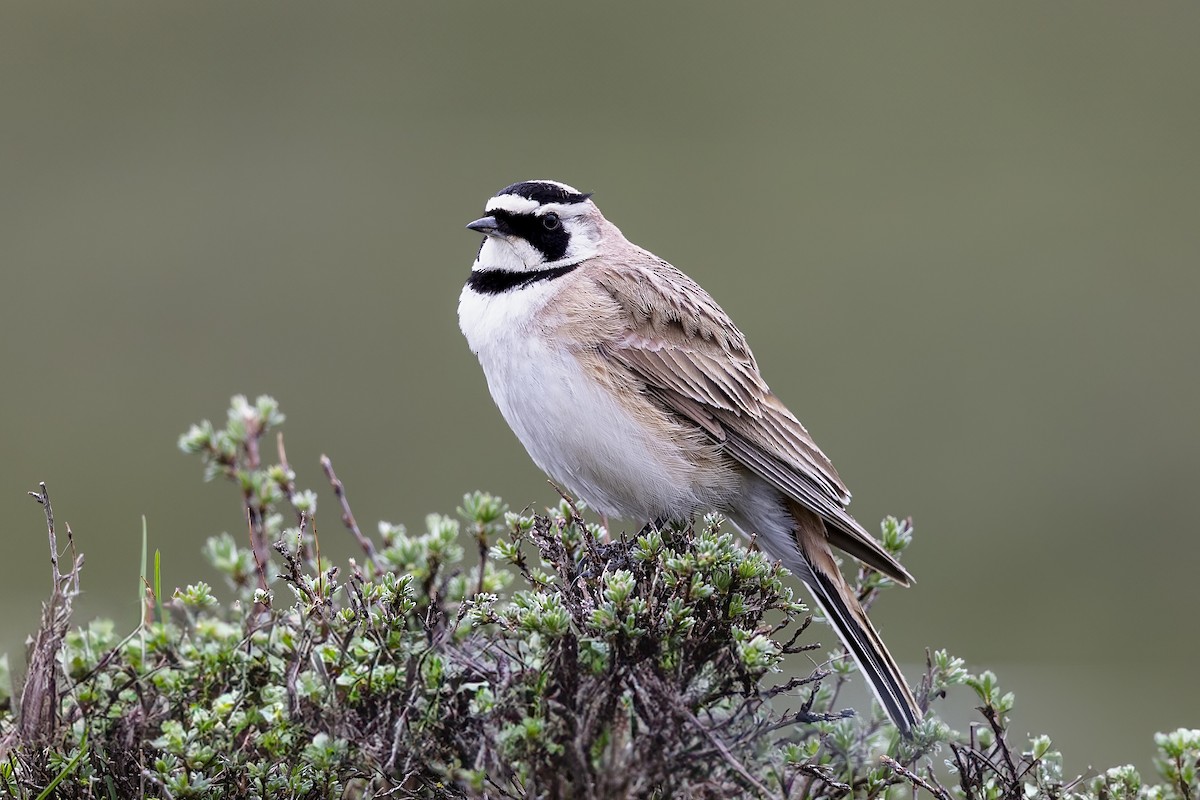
pixel 631 387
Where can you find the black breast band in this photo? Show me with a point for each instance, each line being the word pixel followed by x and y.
pixel 498 281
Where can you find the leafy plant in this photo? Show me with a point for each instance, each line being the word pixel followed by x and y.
pixel 560 660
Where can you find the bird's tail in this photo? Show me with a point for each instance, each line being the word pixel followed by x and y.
pixel 835 598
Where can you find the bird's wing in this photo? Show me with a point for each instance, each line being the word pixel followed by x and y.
pixel 697 364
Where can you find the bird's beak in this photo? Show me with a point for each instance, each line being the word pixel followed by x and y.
pixel 488 226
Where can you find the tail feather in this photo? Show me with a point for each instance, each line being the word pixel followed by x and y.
pixel 835 598
pixel 876 663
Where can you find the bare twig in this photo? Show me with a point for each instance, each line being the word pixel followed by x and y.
pixel 915 779
pixel 577 520
pixel 737 766
pixel 43 499
pixel 258 545
pixel 339 489
pixel 816 772
pixel 989 713
pixel 729 758
pixel 39 695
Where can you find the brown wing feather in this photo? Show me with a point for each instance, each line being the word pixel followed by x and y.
pixel 698 364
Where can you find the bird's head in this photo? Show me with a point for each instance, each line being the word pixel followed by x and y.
pixel 536 225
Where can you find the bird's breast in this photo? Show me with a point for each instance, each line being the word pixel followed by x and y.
pixel 586 425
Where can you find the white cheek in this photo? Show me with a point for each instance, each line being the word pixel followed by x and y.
pixel 581 246
pixel 514 255
pixel 583 242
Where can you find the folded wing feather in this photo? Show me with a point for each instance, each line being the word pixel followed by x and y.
pixel 697 364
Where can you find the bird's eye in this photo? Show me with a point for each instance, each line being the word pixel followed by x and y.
pixel 551 222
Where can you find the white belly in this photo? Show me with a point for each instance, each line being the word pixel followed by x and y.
pixel 573 428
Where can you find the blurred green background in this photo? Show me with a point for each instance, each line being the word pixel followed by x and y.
pixel 963 240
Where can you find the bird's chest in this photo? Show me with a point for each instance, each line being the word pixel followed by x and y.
pixel 576 428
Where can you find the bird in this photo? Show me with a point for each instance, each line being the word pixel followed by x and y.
pixel 629 386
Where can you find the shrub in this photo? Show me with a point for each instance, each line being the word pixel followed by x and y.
pixel 558 661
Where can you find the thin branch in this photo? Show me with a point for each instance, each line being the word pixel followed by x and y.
pixel 914 778
pixel 39 702
pixel 258 546
pixel 989 713
pixel 43 499
pixel 339 489
pixel 729 758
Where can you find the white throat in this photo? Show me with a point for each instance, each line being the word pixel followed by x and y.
pixel 510 255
